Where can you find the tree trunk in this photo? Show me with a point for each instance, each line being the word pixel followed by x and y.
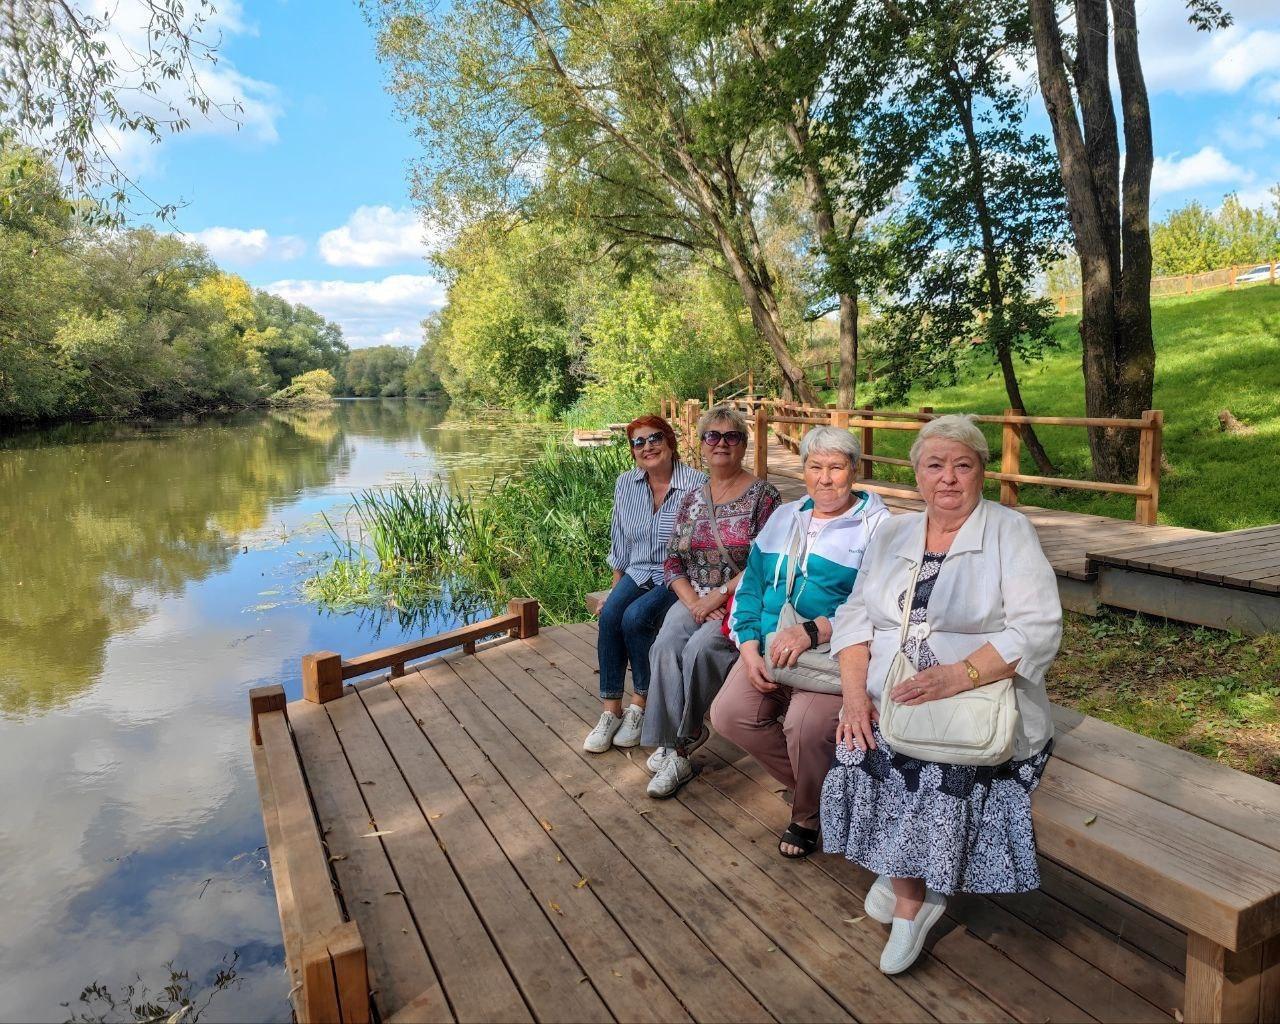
pixel 1115 258
pixel 847 396
pixel 997 330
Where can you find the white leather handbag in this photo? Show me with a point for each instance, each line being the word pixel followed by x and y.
pixel 975 727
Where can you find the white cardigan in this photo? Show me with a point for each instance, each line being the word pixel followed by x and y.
pixel 995 586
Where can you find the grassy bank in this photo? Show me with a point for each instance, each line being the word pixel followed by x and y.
pixel 1213 351
pixel 542 533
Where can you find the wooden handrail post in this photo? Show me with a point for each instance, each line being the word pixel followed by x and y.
pixel 527 609
pixel 261 700
pixel 751 382
pixel 828 374
pixel 1150 446
pixel 762 441
pixel 690 423
pixel 867 470
pixel 1010 458
pixel 711 397
pixel 321 676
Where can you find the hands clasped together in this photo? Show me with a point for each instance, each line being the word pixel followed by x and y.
pixel 859 710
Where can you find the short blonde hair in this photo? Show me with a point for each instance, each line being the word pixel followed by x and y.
pixel 952 427
pixel 722 412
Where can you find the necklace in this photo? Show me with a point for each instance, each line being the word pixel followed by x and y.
pixel 728 486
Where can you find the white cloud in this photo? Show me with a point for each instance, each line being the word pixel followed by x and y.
pixel 1257 198
pixel 1206 167
pixel 376 236
pixel 1177 58
pixel 384 312
pixel 237 245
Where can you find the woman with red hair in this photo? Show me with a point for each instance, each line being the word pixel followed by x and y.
pixel 645 500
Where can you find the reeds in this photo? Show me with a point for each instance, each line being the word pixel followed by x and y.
pixel 543 533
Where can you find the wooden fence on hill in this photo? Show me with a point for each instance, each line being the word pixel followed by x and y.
pixel 789 421
pixel 1182 284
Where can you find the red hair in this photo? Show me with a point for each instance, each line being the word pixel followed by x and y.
pixel 660 425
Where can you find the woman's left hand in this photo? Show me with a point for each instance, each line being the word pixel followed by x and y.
pixel 788 644
pixel 931 684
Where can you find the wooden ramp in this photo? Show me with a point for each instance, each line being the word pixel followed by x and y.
pixel 498 873
pixel 1224 580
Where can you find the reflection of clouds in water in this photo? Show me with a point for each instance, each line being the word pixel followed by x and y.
pixel 131 803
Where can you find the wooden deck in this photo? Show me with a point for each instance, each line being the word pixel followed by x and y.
pixel 1225 580
pixel 496 872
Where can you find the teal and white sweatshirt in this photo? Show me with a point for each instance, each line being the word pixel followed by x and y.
pixel 822 581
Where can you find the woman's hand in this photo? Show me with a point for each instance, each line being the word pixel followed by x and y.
pixel 856 717
pixel 932 684
pixel 709 607
pixel 788 644
pixel 757 671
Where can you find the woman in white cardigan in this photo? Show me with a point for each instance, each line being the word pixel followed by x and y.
pixel 985 608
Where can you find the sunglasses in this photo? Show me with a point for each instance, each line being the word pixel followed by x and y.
pixel 650 439
pixel 732 438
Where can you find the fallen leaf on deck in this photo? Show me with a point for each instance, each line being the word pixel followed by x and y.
pixel 556 907
pixel 615 974
pixel 337 856
pixel 579 883
pixel 393 892
pixel 370 783
pixel 1177 1015
pixel 582 979
pixel 419 721
pixel 374 835
pixel 559 859
pixel 855 920
pixel 436 817
pixel 772 949
pixel 545 824
pixel 1091 819
pixel 647 810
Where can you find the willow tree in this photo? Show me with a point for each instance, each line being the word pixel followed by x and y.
pixel 1109 206
pixel 613 108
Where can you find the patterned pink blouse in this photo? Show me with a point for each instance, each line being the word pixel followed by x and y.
pixel 693 553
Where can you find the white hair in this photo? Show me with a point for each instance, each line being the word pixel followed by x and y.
pixel 830 441
pixel 953 427
pixel 722 412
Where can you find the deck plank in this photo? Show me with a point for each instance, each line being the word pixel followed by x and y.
pixel 400 970
pixel 623 978
pixel 472 973
pixel 771 975
pixel 689 967
pixel 541 966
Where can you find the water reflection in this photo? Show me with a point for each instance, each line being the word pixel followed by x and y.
pixel 148 578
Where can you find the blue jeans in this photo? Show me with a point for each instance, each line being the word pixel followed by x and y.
pixel 629 622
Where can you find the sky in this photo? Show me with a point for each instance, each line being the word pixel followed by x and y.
pixel 308 196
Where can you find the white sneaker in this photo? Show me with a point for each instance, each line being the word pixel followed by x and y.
pixel 880 900
pixel 906 939
pixel 673 773
pixel 656 758
pixel 628 734
pixel 599 739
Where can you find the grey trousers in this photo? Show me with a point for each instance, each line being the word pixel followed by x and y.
pixel 688 664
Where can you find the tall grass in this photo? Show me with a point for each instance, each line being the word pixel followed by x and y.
pixel 542 533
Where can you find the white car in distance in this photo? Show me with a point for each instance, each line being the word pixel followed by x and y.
pixel 1262 272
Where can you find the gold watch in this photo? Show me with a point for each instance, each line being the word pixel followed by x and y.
pixel 974 676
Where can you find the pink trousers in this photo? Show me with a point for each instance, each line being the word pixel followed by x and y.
pixel 791 732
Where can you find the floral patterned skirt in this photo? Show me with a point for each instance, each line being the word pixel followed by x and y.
pixel 961 828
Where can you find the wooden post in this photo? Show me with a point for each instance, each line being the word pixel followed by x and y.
pixel 751 383
pixel 828 374
pixel 926 410
pixel 1234 271
pixel 1010 458
pixel 1188 284
pixel 711 397
pixel 762 442
pixel 1222 985
pixel 261 700
pixel 840 418
pixel 691 415
pixel 867 471
pixel 350 972
pixel 321 677
pixel 1061 300
pixel 319 989
pixel 1150 447
pixel 527 609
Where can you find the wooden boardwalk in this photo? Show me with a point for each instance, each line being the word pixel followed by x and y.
pixel 1225 580
pixel 498 873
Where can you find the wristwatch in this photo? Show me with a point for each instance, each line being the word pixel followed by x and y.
pixel 974 675
pixel 812 629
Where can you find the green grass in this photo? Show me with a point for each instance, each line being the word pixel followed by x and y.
pixel 1213 351
pixel 542 533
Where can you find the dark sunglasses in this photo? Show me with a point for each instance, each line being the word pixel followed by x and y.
pixel 652 439
pixel 732 438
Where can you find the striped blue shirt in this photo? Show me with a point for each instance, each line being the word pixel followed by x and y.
pixel 640 535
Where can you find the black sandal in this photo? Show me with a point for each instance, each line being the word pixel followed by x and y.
pixel 798 835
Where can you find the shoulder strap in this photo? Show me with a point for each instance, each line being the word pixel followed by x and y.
pixel 715 523
pixel 906 604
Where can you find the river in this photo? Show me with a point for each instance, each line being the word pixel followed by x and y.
pixel 149 577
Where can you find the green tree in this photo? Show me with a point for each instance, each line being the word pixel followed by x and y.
pixel 1187 241
pixel 421 379
pixel 377 372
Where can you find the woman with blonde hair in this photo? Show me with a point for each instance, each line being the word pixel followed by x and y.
pixel 963 592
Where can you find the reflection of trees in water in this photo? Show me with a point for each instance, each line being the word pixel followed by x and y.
pixel 95 513
pixel 180 999
pixel 428 616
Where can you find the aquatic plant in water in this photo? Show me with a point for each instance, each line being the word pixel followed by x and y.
pixel 542 533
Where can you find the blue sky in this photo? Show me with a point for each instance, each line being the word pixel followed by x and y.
pixel 309 196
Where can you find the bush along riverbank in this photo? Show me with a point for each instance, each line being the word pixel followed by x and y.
pixel 542 533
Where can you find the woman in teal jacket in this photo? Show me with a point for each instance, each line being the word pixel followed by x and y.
pixel 791 731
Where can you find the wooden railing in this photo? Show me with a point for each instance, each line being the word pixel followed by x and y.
pixel 789 421
pixel 1182 284
pixel 325 952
